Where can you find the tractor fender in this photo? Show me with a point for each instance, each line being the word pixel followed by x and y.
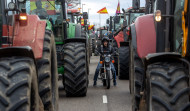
pixel 31 35
pixel 24 51
pixel 162 56
pixel 145 35
pixel 165 56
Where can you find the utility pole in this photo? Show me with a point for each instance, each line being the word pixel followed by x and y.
pixel 89 14
pixel 82 7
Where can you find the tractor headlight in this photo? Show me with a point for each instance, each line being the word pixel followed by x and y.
pixel 107 59
pixel 158 16
pixel 11 5
pixel 21 1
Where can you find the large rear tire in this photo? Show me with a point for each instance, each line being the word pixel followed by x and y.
pixel 47 74
pixel 167 87
pixel 136 79
pixel 124 62
pixel 18 85
pixel 75 64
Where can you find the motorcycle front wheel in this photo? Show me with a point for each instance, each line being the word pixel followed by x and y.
pixel 107 79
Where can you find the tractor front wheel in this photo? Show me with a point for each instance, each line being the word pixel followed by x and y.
pixel 167 87
pixel 19 85
pixel 47 74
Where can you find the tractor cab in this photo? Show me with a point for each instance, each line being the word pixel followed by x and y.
pixel 132 14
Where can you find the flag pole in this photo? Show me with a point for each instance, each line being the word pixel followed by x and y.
pixel 100 19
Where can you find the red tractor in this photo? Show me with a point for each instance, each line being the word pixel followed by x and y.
pixel 159 57
pixel 28 67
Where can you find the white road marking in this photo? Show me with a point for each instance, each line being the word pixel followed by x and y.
pixel 105 100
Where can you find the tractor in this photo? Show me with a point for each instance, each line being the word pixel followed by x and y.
pixel 159 57
pixel 76 17
pixel 120 24
pixel 28 64
pixel 71 44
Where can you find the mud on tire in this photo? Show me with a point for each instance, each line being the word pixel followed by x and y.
pixel 167 87
pixel 76 78
pixel 47 74
pixel 18 84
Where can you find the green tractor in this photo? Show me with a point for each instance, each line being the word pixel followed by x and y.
pixel 71 44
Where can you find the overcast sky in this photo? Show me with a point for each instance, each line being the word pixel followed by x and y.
pixel 111 6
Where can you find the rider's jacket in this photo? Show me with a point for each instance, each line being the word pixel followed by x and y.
pixel 105 50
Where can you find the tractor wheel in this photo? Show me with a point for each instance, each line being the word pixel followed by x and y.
pixel 124 62
pixel 47 74
pixel 93 45
pixel 76 78
pixel 18 85
pixel 136 79
pixel 90 46
pixel 116 64
pixel 167 87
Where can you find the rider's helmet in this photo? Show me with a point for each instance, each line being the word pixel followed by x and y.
pixel 105 39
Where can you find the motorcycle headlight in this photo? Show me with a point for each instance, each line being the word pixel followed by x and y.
pixel 107 59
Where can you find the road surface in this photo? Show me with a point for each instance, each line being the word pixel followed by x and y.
pixel 98 98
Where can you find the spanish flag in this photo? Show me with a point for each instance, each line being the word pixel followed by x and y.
pixel 103 11
pixel 118 8
pixel 90 27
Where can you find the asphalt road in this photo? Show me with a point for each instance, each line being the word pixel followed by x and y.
pixel 98 98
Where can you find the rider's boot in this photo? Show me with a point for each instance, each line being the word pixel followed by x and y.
pixel 114 82
pixel 94 83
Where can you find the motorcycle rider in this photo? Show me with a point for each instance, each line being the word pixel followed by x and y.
pixel 108 49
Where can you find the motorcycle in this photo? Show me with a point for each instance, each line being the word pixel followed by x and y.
pixel 105 71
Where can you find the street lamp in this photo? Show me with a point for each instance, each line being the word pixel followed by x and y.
pixel 82 7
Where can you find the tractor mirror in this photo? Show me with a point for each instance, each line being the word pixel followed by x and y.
pixel 158 16
pixel 136 4
pixel 107 22
pixel 85 15
pixel 116 19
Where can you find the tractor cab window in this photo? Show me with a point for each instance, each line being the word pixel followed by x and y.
pixel 179 7
pixel 45 9
pixel 49 10
pixel 133 17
